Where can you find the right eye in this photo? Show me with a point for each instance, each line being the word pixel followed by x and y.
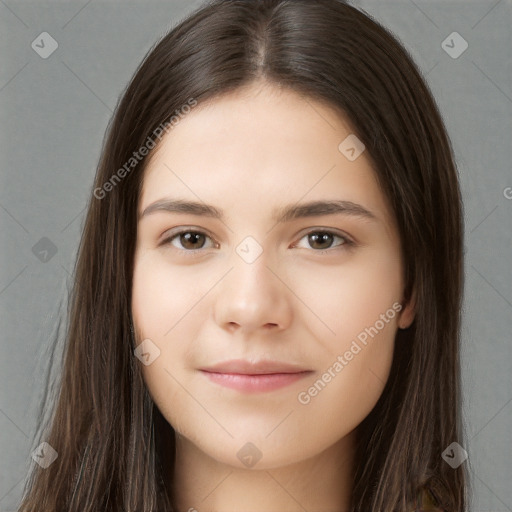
pixel 189 240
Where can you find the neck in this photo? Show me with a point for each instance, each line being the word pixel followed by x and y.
pixel 322 483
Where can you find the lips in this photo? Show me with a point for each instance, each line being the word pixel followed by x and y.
pixel 247 376
pixel 244 367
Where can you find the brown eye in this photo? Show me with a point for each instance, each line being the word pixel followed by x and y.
pixel 324 240
pixel 192 240
pixel 320 240
pixel 187 240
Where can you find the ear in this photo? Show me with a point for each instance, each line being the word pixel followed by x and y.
pixel 408 312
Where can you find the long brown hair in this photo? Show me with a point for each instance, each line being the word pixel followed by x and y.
pixel 109 435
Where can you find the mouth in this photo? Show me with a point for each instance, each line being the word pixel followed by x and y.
pixel 249 377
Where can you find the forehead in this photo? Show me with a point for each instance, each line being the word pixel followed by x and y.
pixel 260 146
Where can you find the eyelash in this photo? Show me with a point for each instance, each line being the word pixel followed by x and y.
pixel 346 245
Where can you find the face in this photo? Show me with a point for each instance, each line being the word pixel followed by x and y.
pixel 271 315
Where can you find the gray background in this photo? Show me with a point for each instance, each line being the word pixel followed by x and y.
pixel 54 113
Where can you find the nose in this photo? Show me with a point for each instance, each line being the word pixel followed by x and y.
pixel 253 298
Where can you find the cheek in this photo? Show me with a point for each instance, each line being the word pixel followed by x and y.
pixel 348 386
pixel 164 295
pixel 349 298
pixel 155 291
pixel 360 304
pixel 166 309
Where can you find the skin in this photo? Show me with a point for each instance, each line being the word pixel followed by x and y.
pixel 247 153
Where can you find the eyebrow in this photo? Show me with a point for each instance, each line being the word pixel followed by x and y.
pixel 280 215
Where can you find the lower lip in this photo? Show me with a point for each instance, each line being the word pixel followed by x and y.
pixel 255 383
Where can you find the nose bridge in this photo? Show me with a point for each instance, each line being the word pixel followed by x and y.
pixel 251 274
pixel 252 295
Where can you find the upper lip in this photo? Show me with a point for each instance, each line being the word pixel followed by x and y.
pixel 244 367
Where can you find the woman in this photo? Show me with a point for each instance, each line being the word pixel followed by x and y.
pixel 263 148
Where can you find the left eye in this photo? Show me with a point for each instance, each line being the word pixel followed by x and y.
pixel 322 238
